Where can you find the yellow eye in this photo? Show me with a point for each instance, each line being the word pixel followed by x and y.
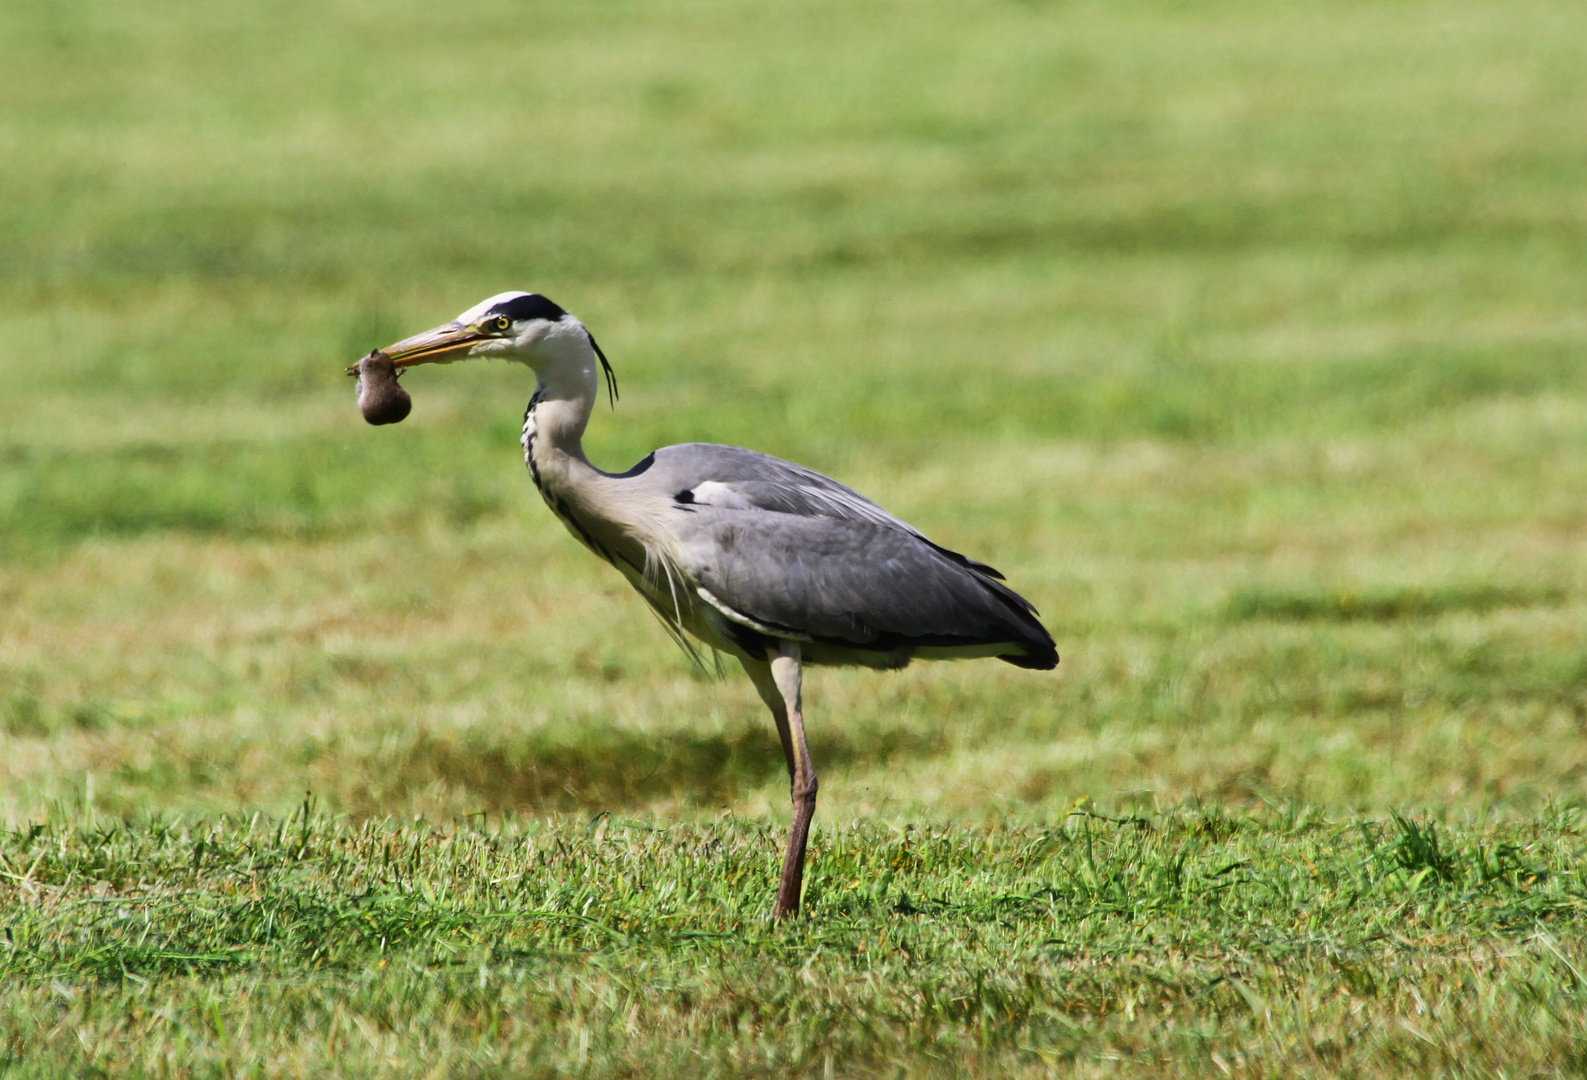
pixel 503 322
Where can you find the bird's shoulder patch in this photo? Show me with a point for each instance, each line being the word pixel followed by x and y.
pixel 715 493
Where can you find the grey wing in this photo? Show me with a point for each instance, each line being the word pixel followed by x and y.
pixel 856 585
pixel 732 478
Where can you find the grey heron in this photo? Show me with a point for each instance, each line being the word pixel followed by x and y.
pixel 772 563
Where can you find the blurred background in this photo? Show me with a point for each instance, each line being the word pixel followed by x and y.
pixel 1247 339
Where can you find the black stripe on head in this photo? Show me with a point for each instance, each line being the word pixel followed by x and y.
pixel 527 307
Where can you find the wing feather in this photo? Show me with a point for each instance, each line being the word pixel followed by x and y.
pixel 853 583
pixel 730 477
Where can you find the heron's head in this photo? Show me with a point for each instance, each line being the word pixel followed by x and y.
pixel 520 326
pixel 508 326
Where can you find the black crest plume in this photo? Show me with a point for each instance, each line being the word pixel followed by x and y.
pixel 611 378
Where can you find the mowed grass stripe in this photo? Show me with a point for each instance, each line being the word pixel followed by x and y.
pixel 1192 932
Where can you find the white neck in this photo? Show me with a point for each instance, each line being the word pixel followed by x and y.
pixel 569 381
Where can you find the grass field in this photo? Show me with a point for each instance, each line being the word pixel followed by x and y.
pixel 1247 339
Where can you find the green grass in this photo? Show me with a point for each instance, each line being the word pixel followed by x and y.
pixel 1246 339
pixel 1281 942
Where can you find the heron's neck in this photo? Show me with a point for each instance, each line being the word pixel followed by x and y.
pixel 553 430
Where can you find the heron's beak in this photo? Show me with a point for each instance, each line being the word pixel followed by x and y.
pixel 442 345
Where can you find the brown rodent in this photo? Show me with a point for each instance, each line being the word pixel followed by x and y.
pixel 381 398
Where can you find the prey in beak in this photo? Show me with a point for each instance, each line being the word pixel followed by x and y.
pixel 381 398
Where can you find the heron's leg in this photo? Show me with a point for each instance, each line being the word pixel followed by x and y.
pixel 786 671
pixel 760 674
